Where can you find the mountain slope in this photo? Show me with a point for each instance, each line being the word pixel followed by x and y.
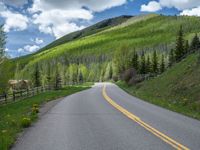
pixel 105 24
pixel 150 32
pixel 176 89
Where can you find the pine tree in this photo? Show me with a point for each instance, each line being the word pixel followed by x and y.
pixel 80 77
pixel 171 58
pixel 186 47
pixel 162 65
pixel 110 71
pixel 195 44
pixel 179 51
pixel 155 62
pixel 135 62
pixel 148 65
pixel 37 82
pixel 143 64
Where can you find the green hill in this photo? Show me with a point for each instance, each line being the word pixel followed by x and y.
pixel 105 24
pixel 92 51
pixel 176 89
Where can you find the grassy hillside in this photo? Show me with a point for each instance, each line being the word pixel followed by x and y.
pixel 105 24
pixel 150 32
pixel 177 89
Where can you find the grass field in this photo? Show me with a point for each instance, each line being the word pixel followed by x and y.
pixel 12 114
pixel 177 89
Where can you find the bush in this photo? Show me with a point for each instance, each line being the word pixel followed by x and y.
pixel 25 122
pixel 132 81
pixel 115 78
pixel 35 108
pixel 128 75
pixel 36 105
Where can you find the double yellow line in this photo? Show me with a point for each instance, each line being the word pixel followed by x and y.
pixel 149 128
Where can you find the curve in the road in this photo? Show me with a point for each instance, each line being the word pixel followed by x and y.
pixel 136 119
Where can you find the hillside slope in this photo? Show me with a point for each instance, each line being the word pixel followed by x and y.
pixel 149 32
pixel 98 27
pixel 177 89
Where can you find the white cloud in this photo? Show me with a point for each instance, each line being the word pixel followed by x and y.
pixel 29 48
pixel 152 6
pixel 14 21
pixel 45 5
pixel 57 17
pixel 63 29
pixel 50 23
pixel 191 12
pixel 38 41
pixel 180 4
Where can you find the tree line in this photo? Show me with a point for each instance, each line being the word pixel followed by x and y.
pixel 131 64
pixel 125 63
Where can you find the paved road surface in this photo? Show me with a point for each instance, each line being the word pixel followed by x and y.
pixel 87 121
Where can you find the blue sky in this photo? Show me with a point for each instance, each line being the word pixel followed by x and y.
pixel 32 24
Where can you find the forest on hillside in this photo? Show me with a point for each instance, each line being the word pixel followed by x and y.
pixel 89 59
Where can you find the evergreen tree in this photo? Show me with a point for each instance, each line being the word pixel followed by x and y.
pixel 37 82
pixel 134 61
pixel 171 57
pixel 2 42
pixel 186 47
pixel 143 64
pixel 162 65
pixel 155 62
pixel 179 51
pixel 80 77
pixel 148 65
pixel 195 44
pixel 110 71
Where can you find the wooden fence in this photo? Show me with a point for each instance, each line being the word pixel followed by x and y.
pixel 21 94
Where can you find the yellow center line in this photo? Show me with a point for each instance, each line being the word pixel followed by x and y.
pixel 136 119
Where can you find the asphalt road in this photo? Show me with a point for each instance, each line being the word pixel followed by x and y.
pixel 87 121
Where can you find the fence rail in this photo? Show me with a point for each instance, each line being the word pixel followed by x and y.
pixel 21 94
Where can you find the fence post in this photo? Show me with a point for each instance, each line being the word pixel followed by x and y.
pixel 21 93
pixel 27 92
pixel 5 95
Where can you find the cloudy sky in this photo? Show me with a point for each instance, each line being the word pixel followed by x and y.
pixel 32 24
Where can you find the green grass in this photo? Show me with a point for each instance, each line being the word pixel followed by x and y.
pixel 177 89
pixel 11 115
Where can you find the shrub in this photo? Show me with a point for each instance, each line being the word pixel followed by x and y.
pixel 132 81
pixel 36 105
pixel 35 110
pixel 129 74
pixel 25 122
pixel 115 78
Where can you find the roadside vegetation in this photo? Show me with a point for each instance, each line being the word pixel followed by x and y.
pixel 18 115
pixel 178 87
